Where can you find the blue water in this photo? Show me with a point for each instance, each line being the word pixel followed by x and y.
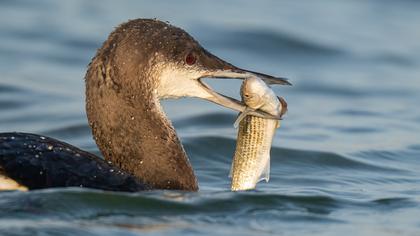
pixel 346 160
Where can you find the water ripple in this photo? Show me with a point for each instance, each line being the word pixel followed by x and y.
pixel 5 88
pixel 217 119
pixel 79 203
pixel 215 149
pixel 357 112
pixel 72 130
pixel 11 104
pixel 267 42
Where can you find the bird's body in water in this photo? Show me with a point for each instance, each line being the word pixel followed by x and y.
pixel 141 62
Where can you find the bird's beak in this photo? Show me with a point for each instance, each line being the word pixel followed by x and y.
pixel 231 72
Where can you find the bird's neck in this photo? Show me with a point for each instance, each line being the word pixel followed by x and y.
pixel 133 133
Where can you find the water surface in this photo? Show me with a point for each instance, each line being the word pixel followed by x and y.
pixel 345 161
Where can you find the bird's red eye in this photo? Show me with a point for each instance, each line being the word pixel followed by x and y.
pixel 190 59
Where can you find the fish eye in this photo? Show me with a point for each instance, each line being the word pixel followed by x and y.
pixel 190 59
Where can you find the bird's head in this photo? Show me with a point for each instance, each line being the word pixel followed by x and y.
pixel 175 63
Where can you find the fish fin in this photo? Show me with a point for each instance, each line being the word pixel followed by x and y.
pixel 241 116
pixel 265 174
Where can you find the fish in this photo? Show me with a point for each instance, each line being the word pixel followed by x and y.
pixel 251 161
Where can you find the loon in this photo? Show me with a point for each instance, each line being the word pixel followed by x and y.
pixel 141 62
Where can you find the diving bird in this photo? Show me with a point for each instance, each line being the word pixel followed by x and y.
pixel 141 62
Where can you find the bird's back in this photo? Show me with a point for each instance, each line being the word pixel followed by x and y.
pixel 37 162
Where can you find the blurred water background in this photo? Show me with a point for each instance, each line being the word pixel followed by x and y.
pixel 346 160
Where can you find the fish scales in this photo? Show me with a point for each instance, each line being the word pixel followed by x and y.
pixel 252 152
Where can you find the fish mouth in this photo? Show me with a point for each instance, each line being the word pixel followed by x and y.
pixel 237 73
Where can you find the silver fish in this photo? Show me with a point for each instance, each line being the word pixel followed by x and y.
pixel 251 162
